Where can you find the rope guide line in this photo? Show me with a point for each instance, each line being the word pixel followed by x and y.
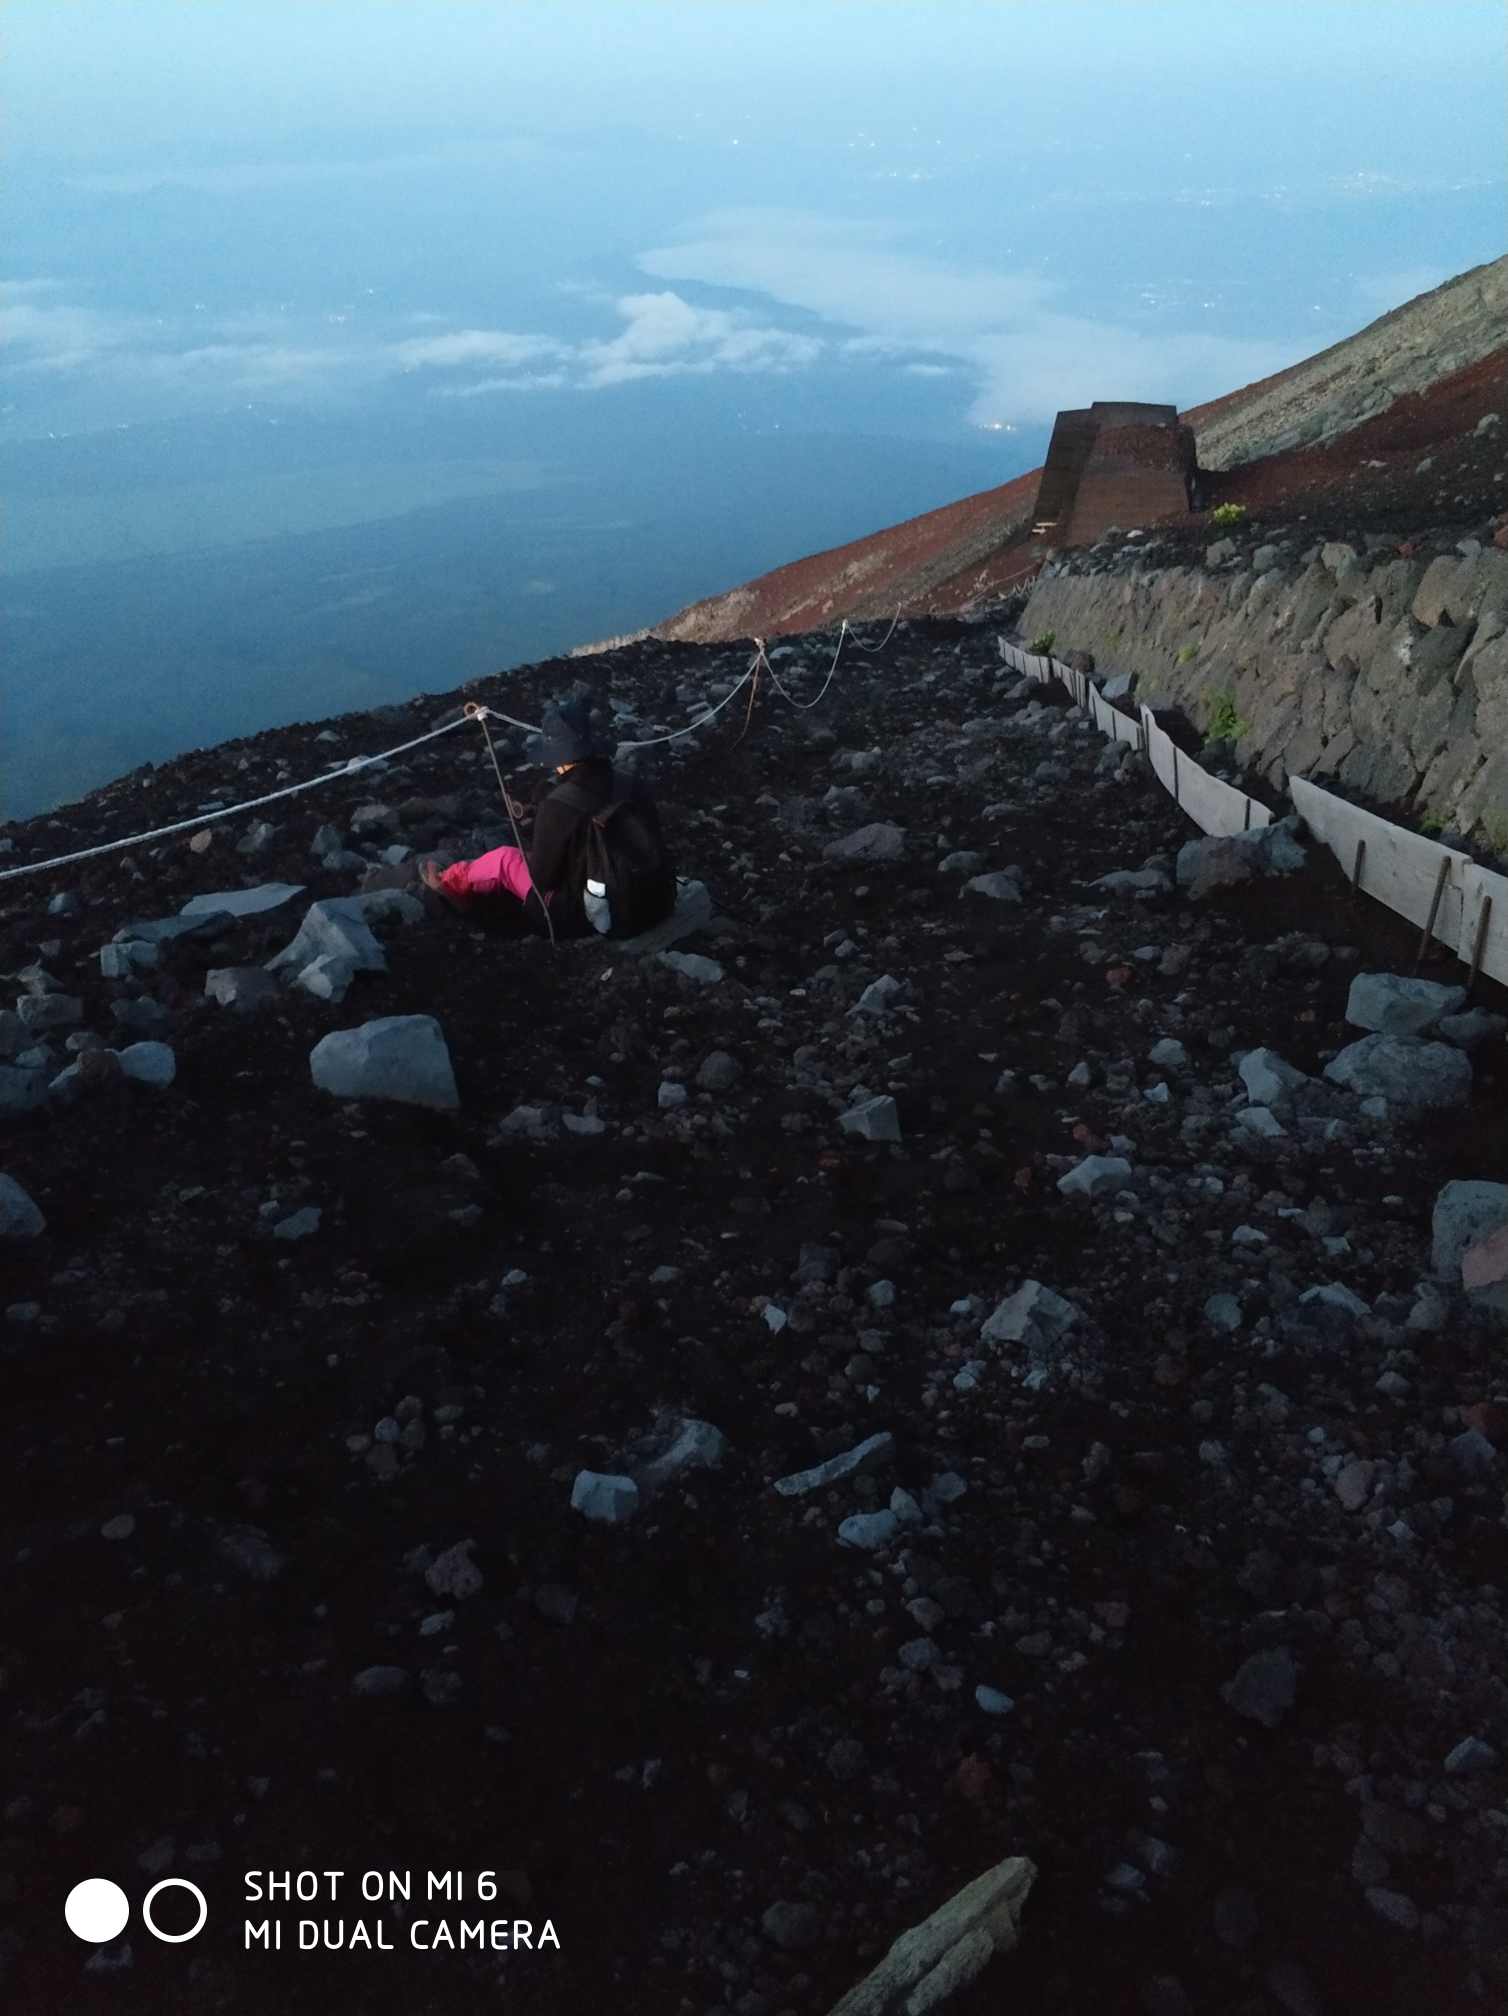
pixel 473 711
pixel 347 769
pixel 478 713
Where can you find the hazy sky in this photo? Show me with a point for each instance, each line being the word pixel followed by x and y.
pixel 970 212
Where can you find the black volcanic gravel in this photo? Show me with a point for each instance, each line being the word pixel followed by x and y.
pixel 725 1722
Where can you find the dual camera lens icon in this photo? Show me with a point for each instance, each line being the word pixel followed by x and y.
pixel 97 1910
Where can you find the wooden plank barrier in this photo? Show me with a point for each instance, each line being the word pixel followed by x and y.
pixel 1214 806
pixel 1399 868
pixel 1458 902
pixel 1402 869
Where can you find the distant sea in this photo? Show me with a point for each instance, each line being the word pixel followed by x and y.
pixel 168 586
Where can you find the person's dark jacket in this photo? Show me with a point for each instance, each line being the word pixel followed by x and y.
pixel 557 850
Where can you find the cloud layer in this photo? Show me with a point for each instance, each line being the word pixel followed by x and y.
pixel 661 335
pixel 857 292
pixel 1028 354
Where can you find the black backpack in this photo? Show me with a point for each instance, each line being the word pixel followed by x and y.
pixel 625 851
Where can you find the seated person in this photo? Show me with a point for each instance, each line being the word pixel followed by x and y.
pixel 511 887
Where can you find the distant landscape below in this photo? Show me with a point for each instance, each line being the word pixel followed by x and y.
pixel 334 563
pixel 354 352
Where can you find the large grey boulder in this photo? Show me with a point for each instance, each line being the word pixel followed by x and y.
pixel 879 842
pixel 719 1072
pixel 1095 1175
pixel 1268 1079
pixel 1220 861
pixel 1404 1070
pixel 604 1498
pixel 869 1530
pixel 876 1119
pixel 149 1063
pixel 399 1057
pixel 1470 1241
pixel 123 961
pixel 1463 1213
pixel 877 996
pixel 1033 1316
pixel 1392 1005
pixel 43 1013
pixel 999 885
pixel 1472 1027
pixel 454 1573
pixel 19 1216
pixel 335 928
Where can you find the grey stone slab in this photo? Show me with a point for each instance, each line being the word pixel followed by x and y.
pixel 242 902
pixel 398 1057
pixel 871 1454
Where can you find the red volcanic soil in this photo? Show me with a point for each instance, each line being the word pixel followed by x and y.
pixel 1422 461
pixel 971 551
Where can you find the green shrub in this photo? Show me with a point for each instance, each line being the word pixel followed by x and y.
pixel 1432 822
pixel 1230 514
pixel 1225 724
pixel 1495 827
pixel 1040 646
pixel 1189 651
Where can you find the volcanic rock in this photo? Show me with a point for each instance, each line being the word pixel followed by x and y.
pixel 397 1057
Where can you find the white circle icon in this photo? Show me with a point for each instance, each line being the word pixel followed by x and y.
pixel 97 1910
pixel 174 1883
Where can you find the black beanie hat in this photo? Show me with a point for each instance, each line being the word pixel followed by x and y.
pixel 567 735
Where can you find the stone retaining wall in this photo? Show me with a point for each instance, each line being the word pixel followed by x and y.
pixel 1388 676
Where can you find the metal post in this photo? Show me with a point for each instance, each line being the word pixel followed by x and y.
pixel 1434 910
pixel 1480 945
pixel 1361 855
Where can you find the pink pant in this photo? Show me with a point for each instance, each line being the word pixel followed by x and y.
pixel 504 869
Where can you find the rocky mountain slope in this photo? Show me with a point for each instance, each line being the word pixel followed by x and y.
pixel 983 1117
pixel 1403 355
pixel 1328 436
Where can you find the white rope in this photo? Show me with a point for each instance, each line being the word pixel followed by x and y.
pixel 873 648
pixel 348 769
pixel 803 706
pixel 701 719
pixel 475 711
